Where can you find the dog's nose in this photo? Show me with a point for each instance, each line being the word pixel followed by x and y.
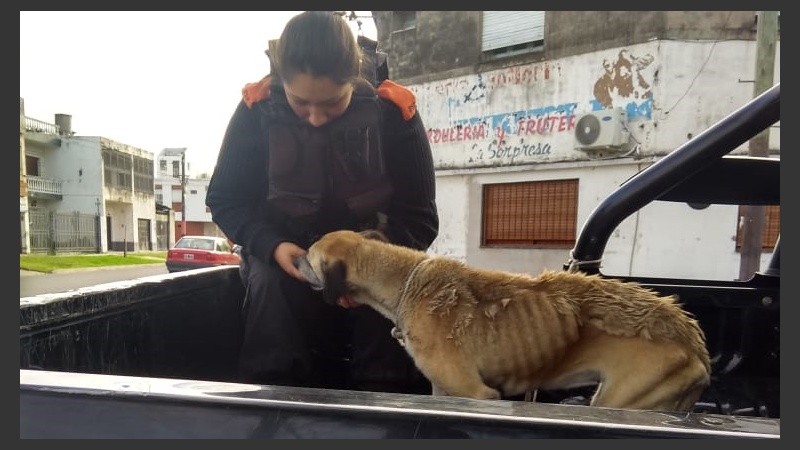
pixel 302 264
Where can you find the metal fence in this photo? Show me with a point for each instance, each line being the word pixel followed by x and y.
pixel 53 232
pixel 162 232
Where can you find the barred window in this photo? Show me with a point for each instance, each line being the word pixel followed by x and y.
pixel 143 180
pixel 530 214
pixel 117 169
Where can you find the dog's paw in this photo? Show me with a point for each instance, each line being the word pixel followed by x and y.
pixel 437 391
pixel 488 393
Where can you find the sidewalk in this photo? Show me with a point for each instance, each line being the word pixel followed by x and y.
pixel 30 273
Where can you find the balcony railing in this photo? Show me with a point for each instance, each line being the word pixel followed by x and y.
pixel 37 126
pixel 41 185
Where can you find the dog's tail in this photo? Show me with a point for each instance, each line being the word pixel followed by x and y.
pixel 628 309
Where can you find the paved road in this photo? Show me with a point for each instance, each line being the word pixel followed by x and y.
pixel 35 283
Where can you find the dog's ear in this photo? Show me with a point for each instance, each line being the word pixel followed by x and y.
pixel 374 234
pixel 335 282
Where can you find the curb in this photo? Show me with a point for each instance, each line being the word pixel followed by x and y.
pixel 27 273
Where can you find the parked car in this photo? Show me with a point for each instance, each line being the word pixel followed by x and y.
pixel 195 252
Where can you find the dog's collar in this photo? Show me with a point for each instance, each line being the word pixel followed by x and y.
pixel 398 334
pixel 397 331
pixel 410 277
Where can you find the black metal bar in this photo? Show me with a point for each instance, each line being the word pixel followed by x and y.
pixel 647 185
pixel 774 267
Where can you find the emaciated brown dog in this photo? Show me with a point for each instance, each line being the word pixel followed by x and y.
pixel 487 334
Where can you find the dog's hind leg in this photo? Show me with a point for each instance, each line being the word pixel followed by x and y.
pixel 676 389
pixel 634 372
pixel 652 391
pixel 662 376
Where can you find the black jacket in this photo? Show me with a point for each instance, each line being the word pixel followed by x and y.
pixel 237 191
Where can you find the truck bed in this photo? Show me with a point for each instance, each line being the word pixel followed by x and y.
pixel 155 357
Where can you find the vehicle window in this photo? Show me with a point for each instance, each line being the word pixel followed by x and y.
pixel 183 243
pixel 195 244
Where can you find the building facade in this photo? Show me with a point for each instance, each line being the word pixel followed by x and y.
pixel 169 188
pixel 83 193
pixel 534 117
pixel 24 216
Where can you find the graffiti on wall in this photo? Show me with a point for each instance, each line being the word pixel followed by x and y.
pixel 502 152
pixel 498 128
pixel 623 84
pixel 455 92
pixel 625 81
pixel 462 91
pixel 526 75
pixel 542 121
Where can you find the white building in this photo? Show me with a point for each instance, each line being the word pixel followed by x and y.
pixel 84 193
pixel 501 93
pixel 171 165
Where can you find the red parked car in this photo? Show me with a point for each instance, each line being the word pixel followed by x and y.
pixel 195 252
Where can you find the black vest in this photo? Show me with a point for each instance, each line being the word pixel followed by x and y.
pixel 338 163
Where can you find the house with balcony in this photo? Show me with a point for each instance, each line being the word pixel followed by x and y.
pixel 24 225
pixel 83 193
pixel 183 194
pixel 534 117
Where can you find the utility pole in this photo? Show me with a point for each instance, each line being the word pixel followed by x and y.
pixel 183 193
pixel 753 216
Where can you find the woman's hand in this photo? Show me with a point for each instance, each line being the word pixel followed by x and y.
pixel 284 255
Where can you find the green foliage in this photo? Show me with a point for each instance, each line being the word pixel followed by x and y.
pixel 48 263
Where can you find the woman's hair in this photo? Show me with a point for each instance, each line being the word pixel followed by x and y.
pixel 319 43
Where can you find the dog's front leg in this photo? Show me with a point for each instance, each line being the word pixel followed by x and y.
pixel 437 391
pixel 451 375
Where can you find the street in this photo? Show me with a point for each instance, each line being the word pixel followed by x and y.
pixel 35 283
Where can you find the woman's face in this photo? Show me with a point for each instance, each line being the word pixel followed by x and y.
pixel 317 100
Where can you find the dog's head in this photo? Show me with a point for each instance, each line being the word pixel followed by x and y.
pixel 325 266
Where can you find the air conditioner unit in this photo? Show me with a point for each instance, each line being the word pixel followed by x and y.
pixel 602 130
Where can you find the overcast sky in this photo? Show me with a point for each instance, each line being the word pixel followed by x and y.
pixel 152 80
